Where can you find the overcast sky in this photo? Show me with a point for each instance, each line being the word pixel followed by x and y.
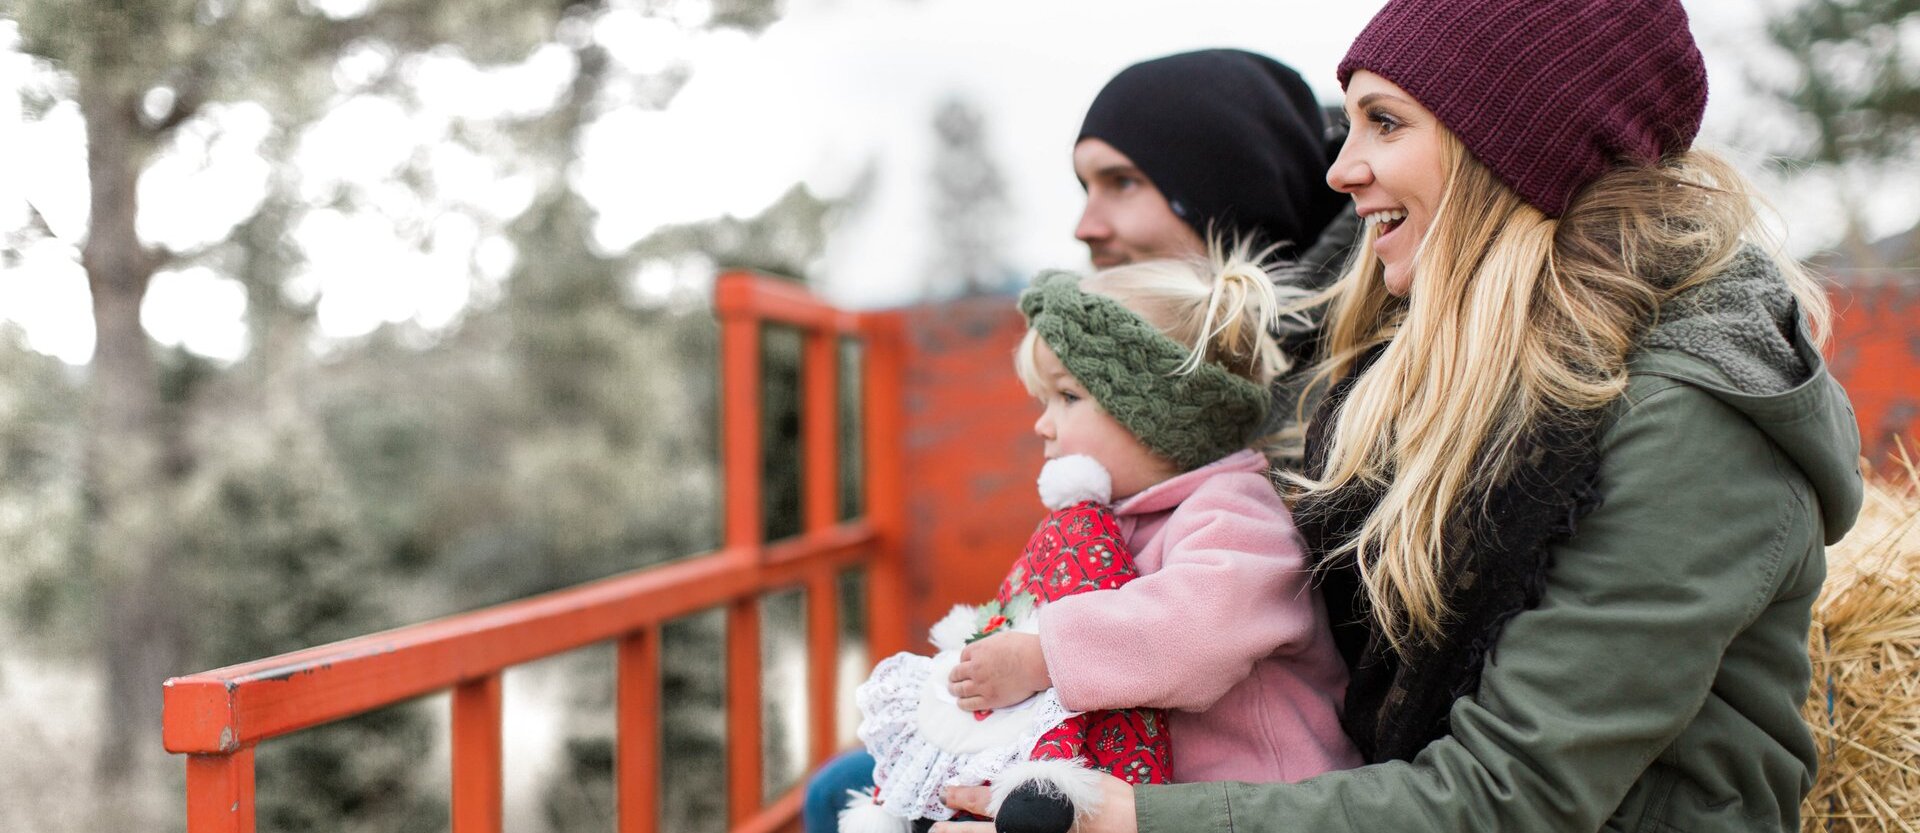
pixel 835 88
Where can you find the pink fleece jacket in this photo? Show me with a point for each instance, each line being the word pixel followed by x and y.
pixel 1223 627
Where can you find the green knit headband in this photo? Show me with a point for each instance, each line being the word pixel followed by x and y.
pixel 1133 371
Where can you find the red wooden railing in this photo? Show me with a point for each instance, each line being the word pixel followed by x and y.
pixel 217 717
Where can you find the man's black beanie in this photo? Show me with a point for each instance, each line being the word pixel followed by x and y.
pixel 1231 138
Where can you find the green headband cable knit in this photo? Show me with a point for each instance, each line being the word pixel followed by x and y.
pixel 1133 370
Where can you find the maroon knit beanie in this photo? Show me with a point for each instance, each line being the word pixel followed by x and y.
pixel 1548 94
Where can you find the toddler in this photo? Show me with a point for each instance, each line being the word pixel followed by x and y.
pixel 1203 606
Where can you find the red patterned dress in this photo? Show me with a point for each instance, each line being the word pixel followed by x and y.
pixel 922 741
pixel 1074 550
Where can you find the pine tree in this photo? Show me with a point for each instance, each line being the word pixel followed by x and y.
pixel 970 201
pixel 1857 88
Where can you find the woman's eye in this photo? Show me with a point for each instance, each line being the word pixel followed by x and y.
pixel 1069 397
pixel 1383 121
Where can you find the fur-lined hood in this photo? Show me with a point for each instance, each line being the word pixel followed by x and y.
pixel 1740 337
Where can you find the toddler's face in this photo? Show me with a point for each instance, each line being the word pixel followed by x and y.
pixel 1074 423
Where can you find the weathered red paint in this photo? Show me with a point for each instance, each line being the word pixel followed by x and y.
pixel 636 764
pixel 821 507
pixel 222 710
pixel 970 455
pixel 217 717
pixel 220 792
pixel 743 710
pixel 477 795
pixel 1875 352
pixel 883 413
pixel 823 653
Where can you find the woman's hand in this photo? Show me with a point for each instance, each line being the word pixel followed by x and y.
pixel 1114 816
pixel 999 671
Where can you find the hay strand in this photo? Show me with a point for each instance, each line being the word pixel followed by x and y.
pixel 1865 704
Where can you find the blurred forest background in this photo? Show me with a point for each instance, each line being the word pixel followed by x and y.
pixel 164 511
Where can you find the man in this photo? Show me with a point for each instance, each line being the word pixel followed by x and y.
pixel 1218 143
pixel 1172 151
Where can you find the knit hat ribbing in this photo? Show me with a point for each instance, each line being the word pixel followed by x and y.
pixel 1191 417
pixel 1548 94
pixel 1233 140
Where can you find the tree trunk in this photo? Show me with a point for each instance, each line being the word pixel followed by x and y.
pixel 128 477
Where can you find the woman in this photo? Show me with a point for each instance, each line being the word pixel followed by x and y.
pixel 1570 487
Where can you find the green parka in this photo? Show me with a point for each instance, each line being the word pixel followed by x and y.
pixel 1657 685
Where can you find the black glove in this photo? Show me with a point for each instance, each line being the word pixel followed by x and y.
pixel 1028 810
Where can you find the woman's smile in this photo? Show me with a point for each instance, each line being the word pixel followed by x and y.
pixel 1385 222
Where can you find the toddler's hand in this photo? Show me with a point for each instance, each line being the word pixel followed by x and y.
pixel 998 671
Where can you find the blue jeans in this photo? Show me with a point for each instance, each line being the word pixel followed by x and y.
pixel 827 791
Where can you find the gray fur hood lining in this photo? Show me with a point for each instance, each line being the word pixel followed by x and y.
pixel 1742 321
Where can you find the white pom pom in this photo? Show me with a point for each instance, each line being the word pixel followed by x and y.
pixel 1065 481
pixel 864 815
pixel 951 632
pixel 1071 780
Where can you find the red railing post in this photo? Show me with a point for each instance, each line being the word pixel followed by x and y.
pixel 636 765
pixel 820 427
pixel 823 656
pixel 740 420
pixel 744 764
pixel 820 424
pixel 883 394
pixel 476 756
pixel 740 452
pixel 220 792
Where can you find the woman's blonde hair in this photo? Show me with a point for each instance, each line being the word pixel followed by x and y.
pixel 1513 318
pixel 1221 306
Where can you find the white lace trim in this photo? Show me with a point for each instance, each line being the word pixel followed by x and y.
pixel 920 747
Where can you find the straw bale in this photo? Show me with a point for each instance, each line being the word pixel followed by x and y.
pixel 1865 703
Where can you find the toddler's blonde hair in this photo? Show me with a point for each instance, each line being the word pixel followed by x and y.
pixel 1222 306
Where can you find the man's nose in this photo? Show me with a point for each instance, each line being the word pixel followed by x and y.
pixel 1093 225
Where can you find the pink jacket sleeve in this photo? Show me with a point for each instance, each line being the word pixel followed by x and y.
pixel 1232 589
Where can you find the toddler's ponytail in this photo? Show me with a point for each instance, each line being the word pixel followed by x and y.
pixel 1221 306
pixel 1238 315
